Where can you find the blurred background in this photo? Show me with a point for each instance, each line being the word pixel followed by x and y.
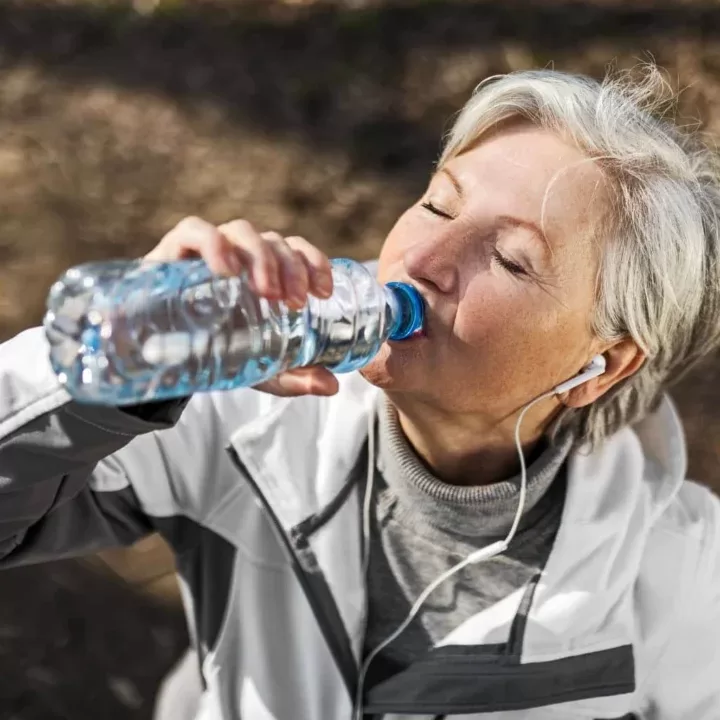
pixel 117 119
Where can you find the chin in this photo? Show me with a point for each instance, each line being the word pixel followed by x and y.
pixel 377 375
pixel 393 369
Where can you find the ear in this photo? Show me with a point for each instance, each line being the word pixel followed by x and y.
pixel 623 359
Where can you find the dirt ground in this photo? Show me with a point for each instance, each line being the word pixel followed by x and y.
pixel 118 119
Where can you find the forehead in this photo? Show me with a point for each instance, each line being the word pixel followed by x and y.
pixel 535 175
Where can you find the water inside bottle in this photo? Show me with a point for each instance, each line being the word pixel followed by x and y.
pixel 125 332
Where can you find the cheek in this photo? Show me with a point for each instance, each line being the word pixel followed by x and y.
pixel 501 318
pixel 489 306
pixel 519 337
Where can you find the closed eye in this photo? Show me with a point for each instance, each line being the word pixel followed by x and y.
pixel 509 265
pixel 436 210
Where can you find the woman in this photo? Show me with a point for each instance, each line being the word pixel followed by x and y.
pixel 358 553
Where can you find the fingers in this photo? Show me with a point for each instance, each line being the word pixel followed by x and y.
pixel 294 273
pixel 278 268
pixel 317 264
pixel 298 268
pixel 194 237
pixel 255 255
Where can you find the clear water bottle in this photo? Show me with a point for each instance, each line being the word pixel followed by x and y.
pixel 126 332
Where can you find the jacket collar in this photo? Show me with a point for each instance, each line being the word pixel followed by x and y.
pixel 301 451
pixel 614 497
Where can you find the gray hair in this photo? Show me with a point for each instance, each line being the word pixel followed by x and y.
pixel 659 272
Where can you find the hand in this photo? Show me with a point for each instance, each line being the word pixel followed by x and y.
pixel 278 268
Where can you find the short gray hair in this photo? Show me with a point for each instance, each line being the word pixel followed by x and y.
pixel 659 275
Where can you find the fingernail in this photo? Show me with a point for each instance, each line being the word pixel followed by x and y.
pixel 324 284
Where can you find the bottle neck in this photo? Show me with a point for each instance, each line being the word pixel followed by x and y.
pixel 341 338
pixel 393 312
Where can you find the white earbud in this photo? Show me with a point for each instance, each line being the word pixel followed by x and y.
pixel 594 369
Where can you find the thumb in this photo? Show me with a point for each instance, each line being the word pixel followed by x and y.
pixel 303 381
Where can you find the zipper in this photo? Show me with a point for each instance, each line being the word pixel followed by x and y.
pixel 338 645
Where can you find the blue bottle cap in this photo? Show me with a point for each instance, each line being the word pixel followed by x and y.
pixel 412 310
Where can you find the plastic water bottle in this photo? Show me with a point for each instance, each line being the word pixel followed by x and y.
pixel 126 332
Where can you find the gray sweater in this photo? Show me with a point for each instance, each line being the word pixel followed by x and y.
pixel 421 527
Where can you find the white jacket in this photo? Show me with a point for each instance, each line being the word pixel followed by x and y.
pixel 253 493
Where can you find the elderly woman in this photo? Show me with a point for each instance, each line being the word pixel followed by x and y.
pixel 385 551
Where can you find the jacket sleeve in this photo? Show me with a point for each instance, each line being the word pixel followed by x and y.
pixel 685 684
pixel 67 470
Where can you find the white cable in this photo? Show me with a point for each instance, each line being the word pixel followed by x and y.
pixel 477 556
pixel 367 509
pixel 367 503
pixel 523 469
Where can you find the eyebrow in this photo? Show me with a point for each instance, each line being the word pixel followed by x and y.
pixel 534 228
pixel 455 182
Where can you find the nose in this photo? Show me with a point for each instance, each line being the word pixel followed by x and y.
pixel 433 262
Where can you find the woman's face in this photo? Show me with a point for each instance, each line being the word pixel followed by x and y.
pixel 502 247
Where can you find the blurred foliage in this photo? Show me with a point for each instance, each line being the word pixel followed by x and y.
pixel 119 118
pixel 321 118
